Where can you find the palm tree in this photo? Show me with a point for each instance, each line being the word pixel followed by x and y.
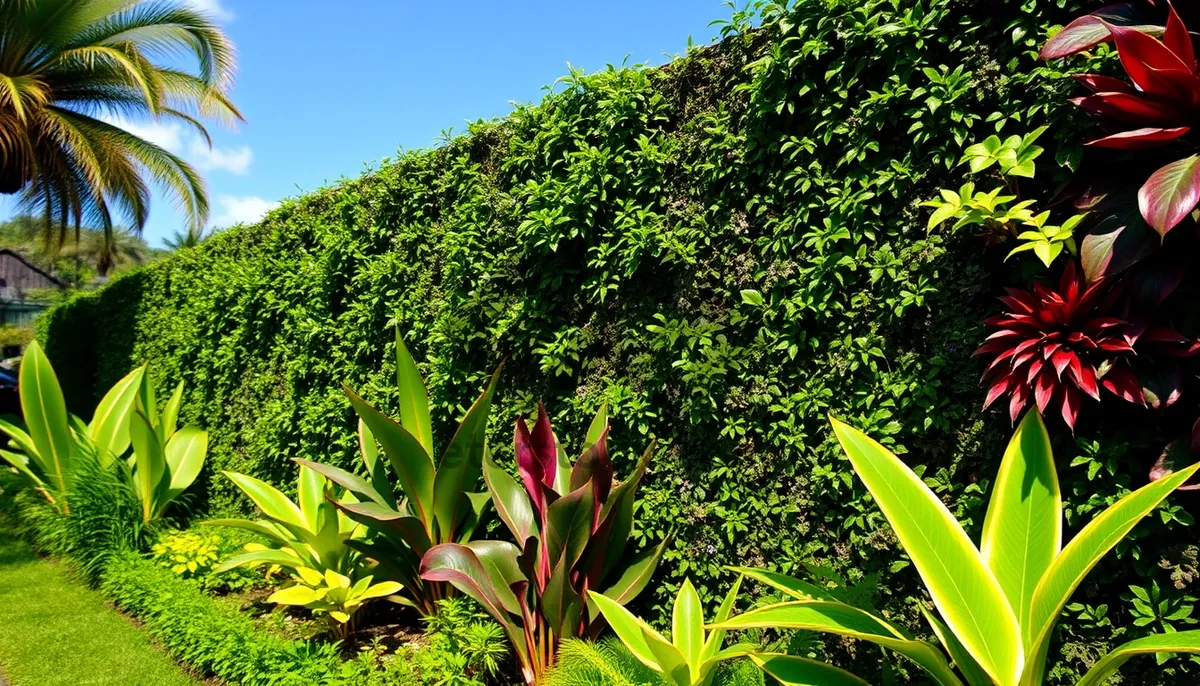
pixel 185 239
pixel 105 252
pixel 68 65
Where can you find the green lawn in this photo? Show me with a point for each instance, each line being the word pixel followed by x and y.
pixel 56 632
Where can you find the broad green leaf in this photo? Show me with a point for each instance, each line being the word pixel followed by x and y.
pixel 687 625
pixel 22 440
pixel 45 415
pixel 1022 532
pixel 412 464
pixel 185 455
pixel 715 638
pixel 965 592
pixel 151 463
pixel 597 427
pixel 310 494
pixel 800 590
pixel 844 620
pixel 259 557
pixel 962 659
pixel 799 671
pixel 369 449
pixel 462 462
pixel 109 428
pixel 169 419
pixel 388 522
pixel 273 504
pixel 510 499
pixel 20 463
pixel 631 630
pixel 294 595
pixel 414 398
pixel 569 525
pixel 351 482
pixel 1082 554
pixel 560 602
pixel 1179 642
pixel 260 527
pixel 637 575
pixel 382 589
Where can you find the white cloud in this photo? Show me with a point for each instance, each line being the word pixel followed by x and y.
pixel 233 160
pixel 168 135
pixel 214 9
pixel 175 138
pixel 245 209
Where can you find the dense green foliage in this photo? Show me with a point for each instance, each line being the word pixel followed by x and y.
pixel 725 250
pixel 215 639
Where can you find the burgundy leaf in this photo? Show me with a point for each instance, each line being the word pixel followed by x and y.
pixel 545 445
pixel 1098 83
pixel 530 467
pixel 1086 32
pixel 1137 139
pixel 1171 194
pixel 1151 66
pixel 1121 382
pixel 1178 40
pixel 1070 406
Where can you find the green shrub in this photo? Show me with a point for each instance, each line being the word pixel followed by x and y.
pixel 188 554
pixel 724 250
pixel 214 639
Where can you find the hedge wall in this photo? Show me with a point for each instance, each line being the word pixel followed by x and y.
pixel 725 249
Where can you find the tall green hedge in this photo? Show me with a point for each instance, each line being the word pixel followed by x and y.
pixel 726 250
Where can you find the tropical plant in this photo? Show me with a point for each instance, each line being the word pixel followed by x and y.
pixel 610 663
pixel 69 65
pixel 1157 107
pixel 187 553
pixel 1054 347
pixel 332 593
pixel 999 602
pixel 573 524
pixel 690 658
pixel 188 238
pixel 52 443
pixel 166 459
pixel 433 504
pixel 312 541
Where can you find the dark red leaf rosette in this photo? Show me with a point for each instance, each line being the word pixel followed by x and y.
pixel 1053 347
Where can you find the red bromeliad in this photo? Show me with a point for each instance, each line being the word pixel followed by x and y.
pixel 572 523
pixel 1158 107
pixel 1054 347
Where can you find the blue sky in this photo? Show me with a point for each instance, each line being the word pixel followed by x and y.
pixel 327 88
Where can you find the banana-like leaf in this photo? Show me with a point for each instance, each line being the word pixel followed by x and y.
pixel 511 500
pixel 1082 554
pixel 569 525
pixel 185 455
pixel 716 637
pixel 1022 532
pixel 168 421
pixel 273 504
pixel 967 594
pixel 966 664
pixel 845 620
pixel 351 482
pixel 637 575
pixel 20 463
pixel 369 449
pixel 260 557
pixel 413 466
pixel 151 462
pixel 1179 642
pixel 46 415
pixel 109 428
pixel 462 463
pixel 799 671
pixel 687 626
pixel 800 590
pixel 414 398
pixel 629 628
pixel 560 602
pixel 310 493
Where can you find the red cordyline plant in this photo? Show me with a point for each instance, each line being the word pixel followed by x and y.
pixel 573 525
pixel 1053 348
pixel 1158 107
